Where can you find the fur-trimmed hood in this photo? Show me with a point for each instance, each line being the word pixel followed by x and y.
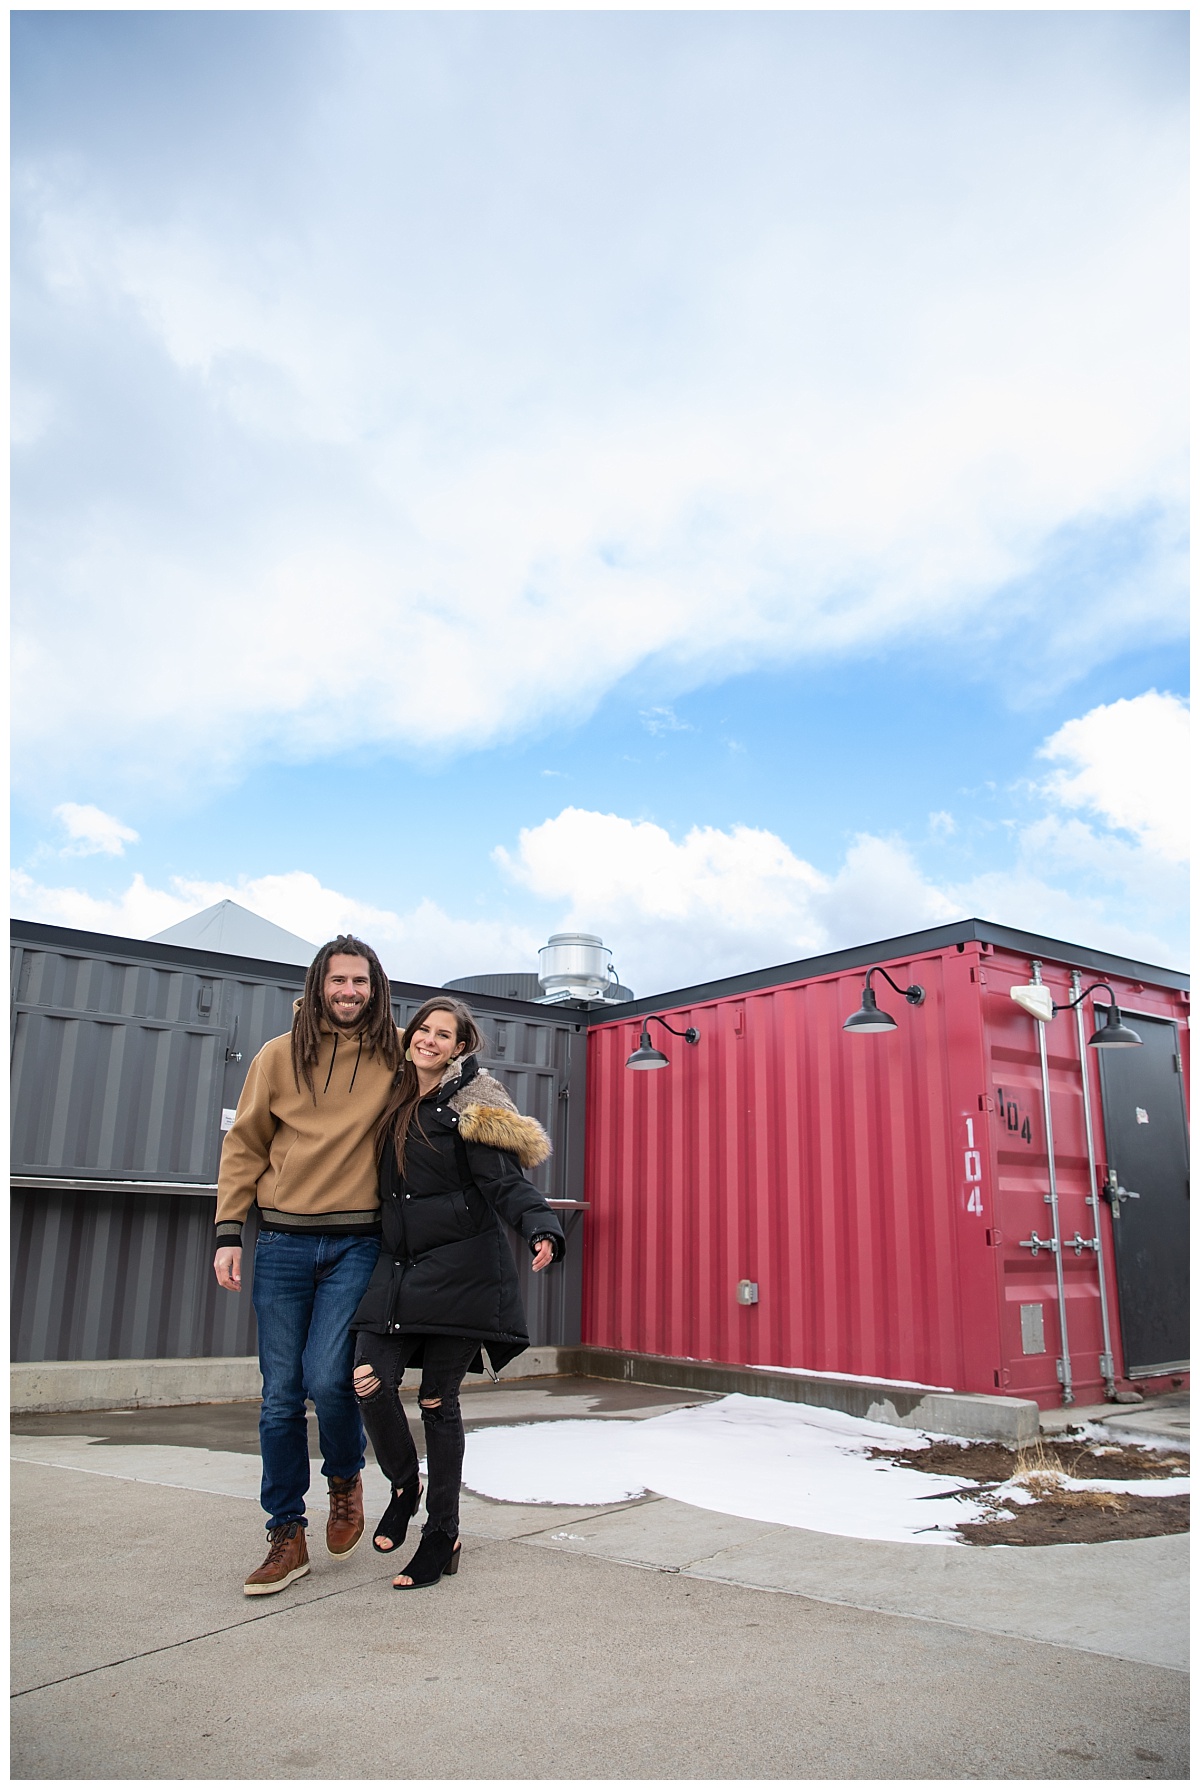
pixel 487 1115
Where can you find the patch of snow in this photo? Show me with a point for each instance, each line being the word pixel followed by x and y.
pixel 1140 1488
pixel 766 1459
pixel 1014 1492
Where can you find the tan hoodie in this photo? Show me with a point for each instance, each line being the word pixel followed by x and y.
pixel 308 1164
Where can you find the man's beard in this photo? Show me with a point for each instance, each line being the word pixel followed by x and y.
pixel 349 1022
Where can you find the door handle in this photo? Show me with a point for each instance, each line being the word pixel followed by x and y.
pixel 1115 1194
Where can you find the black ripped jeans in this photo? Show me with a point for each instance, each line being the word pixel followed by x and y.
pixel 444 1362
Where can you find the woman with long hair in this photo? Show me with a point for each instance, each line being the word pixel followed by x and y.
pixel 452 1149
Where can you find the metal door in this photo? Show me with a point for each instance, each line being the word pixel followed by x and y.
pixel 1145 1129
pixel 115 1098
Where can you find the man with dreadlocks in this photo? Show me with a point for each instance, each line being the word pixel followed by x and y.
pixel 302 1149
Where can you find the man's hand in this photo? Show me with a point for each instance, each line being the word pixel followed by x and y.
pixel 543 1256
pixel 227 1266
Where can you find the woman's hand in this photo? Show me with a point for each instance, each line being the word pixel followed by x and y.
pixel 543 1255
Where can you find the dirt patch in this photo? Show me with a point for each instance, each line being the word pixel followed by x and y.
pixel 1073 1517
pixel 1057 1515
pixel 991 1463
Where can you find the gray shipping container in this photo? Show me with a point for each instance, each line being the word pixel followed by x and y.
pixel 125 1055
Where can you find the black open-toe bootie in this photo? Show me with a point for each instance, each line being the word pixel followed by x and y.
pixel 393 1524
pixel 438 1554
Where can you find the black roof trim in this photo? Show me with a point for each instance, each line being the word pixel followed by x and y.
pixel 66 938
pixel 909 944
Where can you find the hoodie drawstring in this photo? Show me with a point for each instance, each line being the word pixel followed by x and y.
pixel 333 1060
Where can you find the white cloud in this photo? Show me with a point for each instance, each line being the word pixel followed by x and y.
pixel 92 831
pixel 1087 855
pixel 715 902
pixel 32 412
pixel 1129 762
pixel 663 719
pixel 424 945
pixel 136 912
pixel 880 891
pixel 712 904
pixel 1079 914
pixel 719 901
pixel 713 396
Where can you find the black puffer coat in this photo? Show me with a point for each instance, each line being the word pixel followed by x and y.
pixel 445 1266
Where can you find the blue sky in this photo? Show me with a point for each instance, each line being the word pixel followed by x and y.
pixel 714 479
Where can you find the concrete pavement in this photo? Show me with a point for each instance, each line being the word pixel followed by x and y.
pixel 1164 1420
pixel 649 1640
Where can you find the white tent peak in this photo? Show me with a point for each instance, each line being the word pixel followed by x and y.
pixel 229 928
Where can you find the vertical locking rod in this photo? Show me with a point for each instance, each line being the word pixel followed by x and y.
pixel 1068 1395
pixel 1107 1367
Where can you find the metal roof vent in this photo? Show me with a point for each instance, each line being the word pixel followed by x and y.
pixel 577 966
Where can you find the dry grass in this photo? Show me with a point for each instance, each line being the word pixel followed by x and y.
pixel 1041 1472
pixel 1034 1458
pixel 1041 1483
pixel 1036 1463
pixel 1089 1500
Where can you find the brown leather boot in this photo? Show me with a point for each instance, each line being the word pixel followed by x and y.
pixel 287 1559
pixel 344 1530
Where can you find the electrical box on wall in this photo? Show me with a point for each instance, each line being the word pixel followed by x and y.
pixel 747 1292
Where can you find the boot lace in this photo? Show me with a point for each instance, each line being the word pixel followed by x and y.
pixel 341 1492
pixel 279 1541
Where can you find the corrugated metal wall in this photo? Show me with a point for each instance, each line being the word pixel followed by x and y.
pixel 124 1055
pixel 120 1068
pixel 783 1151
pixel 871 1185
pixel 111 1276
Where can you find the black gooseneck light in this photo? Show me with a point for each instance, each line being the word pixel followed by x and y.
pixel 646 1056
pixel 870 1016
pixel 1114 1034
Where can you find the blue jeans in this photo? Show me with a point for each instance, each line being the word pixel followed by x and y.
pixel 306 1290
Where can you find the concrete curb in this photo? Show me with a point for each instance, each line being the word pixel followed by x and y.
pixel 103 1385
pixel 200 1380
pixel 975 1415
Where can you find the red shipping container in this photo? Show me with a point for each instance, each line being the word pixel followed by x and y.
pixel 892 1196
